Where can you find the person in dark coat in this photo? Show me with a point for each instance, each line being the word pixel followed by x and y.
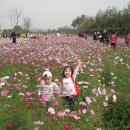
pixel 14 35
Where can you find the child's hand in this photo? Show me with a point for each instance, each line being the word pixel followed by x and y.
pixel 79 62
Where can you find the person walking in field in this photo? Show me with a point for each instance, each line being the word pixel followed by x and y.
pixel 127 39
pixel 113 40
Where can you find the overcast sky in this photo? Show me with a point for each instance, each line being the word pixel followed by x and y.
pixel 55 13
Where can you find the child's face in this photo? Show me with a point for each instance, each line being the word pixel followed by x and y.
pixel 67 72
pixel 47 80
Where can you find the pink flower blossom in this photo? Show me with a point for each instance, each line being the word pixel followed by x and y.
pixel 98 129
pixel 9 124
pixel 92 112
pixel 51 110
pixel 45 98
pixel 55 103
pixel 88 100
pixel 5 92
pixel 60 114
pixel 36 128
pixel 67 126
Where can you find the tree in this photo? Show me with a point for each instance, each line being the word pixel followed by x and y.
pixel 27 23
pixel 18 29
pixel 14 17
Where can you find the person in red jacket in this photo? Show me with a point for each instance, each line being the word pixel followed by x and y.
pixel 113 40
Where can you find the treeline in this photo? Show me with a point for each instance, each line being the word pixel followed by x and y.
pixel 111 19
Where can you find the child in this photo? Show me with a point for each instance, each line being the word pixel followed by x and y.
pixel 47 87
pixel 113 40
pixel 68 91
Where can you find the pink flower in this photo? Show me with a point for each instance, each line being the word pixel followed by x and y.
pixel 45 98
pixel 88 100
pixel 94 91
pixel 18 88
pixel 98 129
pixel 42 104
pixel 92 112
pixel 5 92
pixel 28 93
pixel 55 103
pixel 37 128
pixel 60 114
pixel 9 125
pixel 67 126
pixel 54 118
pixel 51 110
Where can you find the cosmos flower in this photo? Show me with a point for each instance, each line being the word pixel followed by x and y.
pixel 51 110
pixel 38 122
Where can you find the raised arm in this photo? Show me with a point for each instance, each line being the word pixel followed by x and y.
pixel 76 69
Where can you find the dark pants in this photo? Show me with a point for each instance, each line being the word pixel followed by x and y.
pixel 113 45
pixel 14 40
pixel 71 101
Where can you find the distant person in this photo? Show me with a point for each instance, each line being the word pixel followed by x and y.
pixel 83 35
pixel 57 34
pixel 113 40
pixel 95 36
pixel 127 39
pixel 14 36
pixel 105 38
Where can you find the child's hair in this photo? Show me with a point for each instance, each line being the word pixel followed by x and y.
pixel 66 67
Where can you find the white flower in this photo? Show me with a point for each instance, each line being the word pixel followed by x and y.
pixel 112 73
pixel 104 92
pixel 106 98
pixel 105 104
pixel 84 111
pixel 9 96
pixel 24 86
pixel 112 91
pixel 85 86
pixel 80 82
pixel 112 83
pixel 2 84
pixel 99 91
pixel 4 78
pixel 99 81
pixel 114 98
pixel 77 117
pixel 114 77
pixel 82 103
pixel 38 123
pixel 21 94
pixel 121 59
pixel 67 110
pixel 116 57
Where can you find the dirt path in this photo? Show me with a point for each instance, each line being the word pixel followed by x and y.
pixel 8 40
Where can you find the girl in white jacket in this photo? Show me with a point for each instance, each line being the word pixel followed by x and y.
pixel 68 91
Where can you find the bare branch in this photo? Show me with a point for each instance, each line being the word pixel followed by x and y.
pixel 27 23
pixel 14 16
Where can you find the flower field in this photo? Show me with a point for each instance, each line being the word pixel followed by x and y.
pixel 104 79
